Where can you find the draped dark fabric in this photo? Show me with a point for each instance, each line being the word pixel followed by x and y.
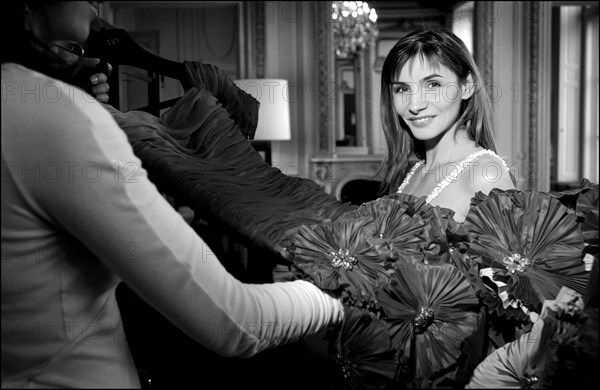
pixel 241 106
pixel 198 153
pixel 445 293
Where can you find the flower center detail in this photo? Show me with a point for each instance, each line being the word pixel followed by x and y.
pixel 344 364
pixel 423 319
pixel 529 381
pixel 342 258
pixel 516 262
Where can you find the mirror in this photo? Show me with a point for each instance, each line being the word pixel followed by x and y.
pixel 353 119
pixel 354 32
pixel 346 134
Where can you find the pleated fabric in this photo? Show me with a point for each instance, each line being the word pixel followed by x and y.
pixel 198 153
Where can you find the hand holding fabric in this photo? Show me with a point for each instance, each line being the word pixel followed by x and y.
pixel 97 83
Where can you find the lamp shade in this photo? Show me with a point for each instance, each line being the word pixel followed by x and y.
pixel 274 111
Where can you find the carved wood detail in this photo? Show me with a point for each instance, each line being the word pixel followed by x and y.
pixel 533 77
pixel 259 38
pixel 326 93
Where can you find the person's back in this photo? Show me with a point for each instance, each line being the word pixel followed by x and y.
pixel 79 214
pixel 59 313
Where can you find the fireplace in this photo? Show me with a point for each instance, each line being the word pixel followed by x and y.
pixel 349 178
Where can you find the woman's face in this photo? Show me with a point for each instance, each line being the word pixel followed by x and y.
pixel 428 98
pixel 64 20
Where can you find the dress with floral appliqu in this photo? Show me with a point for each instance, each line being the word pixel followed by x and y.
pixel 428 299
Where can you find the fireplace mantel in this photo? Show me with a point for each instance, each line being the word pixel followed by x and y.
pixel 333 172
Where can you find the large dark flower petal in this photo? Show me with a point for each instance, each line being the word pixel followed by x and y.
pixel 393 224
pixel 583 202
pixel 431 309
pixel 570 198
pixel 444 234
pixel 339 257
pixel 534 360
pixel 587 211
pixel 363 349
pixel 525 234
pixel 505 367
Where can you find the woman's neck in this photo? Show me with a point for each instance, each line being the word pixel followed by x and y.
pixel 452 147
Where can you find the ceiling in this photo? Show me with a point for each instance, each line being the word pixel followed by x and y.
pixel 394 16
pixel 384 6
pixel 398 9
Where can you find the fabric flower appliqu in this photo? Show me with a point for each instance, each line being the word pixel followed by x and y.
pixel 528 245
pixel 443 234
pixel 339 257
pixel 533 360
pixel 362 347
pixel 431 310
pixel 577 199
pixel 583 202
pixel 393 224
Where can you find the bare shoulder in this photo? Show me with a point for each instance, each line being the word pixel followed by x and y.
pixel 488 172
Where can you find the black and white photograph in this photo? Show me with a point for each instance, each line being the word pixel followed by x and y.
pixel 300 194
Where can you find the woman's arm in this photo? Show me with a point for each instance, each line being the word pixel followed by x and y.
pixel 107 202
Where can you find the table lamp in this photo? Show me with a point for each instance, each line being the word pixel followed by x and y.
pixel 273 114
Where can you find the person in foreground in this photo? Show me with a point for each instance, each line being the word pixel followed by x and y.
pixel 435 110
pixel 79 215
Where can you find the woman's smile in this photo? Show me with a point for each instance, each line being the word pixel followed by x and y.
pixel 421 121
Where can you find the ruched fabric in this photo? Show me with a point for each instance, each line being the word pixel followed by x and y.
pixel 198 154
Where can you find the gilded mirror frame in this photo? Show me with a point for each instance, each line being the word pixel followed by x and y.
pixel 331 114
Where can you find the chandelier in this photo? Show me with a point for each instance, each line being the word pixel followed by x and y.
pixel 353 26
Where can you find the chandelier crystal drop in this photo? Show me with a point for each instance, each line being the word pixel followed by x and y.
pixel 353 26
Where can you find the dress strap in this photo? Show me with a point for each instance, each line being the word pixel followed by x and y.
pixel 453 175
pixel 459 170
pixel 409 175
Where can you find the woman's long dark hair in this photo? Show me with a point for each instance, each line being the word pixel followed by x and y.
pixel 439 47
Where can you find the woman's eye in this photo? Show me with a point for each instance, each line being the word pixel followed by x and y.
pixel 401 89
pixel 433 84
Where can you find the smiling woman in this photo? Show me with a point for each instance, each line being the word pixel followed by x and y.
pixel 436 111
pixel 428 100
